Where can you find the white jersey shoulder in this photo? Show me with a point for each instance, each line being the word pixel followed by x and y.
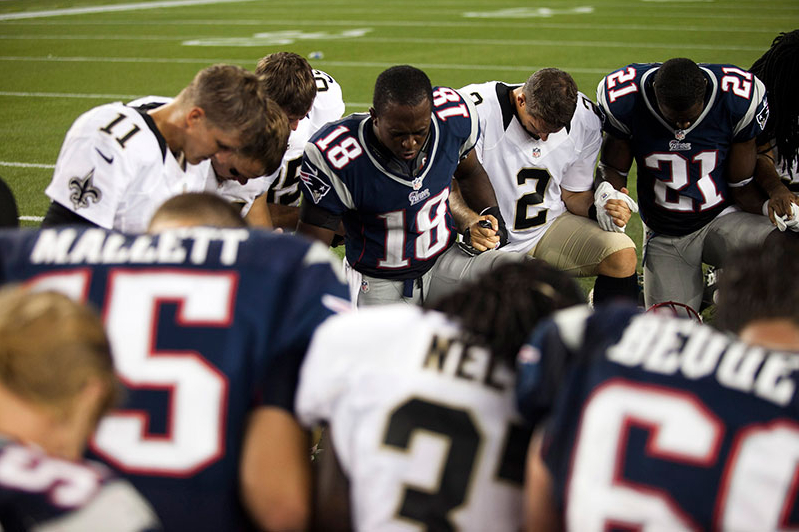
pixel 382 373
pixel 114 169
pixel 528 173
pixel 328 106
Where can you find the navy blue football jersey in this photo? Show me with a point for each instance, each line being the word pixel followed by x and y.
pixel 41 492
pixel 663 422
pixel 397 218
pixel 205 325
pixel 681 173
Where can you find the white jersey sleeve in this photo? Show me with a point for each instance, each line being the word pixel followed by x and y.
pixel 115 169
pixel 411 408
pixel 527 173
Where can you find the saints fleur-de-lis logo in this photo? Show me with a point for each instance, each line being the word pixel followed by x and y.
pixel 83 190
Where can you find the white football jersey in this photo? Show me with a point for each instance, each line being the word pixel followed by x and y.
pixel 417 419
pixel 115 169
pixel 527 174
pixel 283 183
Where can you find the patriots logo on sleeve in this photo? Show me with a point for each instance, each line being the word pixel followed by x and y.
pixel 315 186
pixel 84 191
pixel 762 116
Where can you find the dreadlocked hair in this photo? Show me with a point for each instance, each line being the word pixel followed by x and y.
pixel 500 309
pixel 778 69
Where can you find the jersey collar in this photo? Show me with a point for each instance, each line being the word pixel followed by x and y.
pixel 142 110
pixel 408 173
pixel 648 82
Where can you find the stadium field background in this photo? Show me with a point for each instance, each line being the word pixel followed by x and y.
pixel 59 58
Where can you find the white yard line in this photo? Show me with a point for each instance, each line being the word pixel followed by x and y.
pixel 26 165
pixel 71 95
pixel 260 23
pixel 122 97
pixel 112 8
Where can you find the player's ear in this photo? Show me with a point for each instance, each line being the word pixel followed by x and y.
pixel 195 115
pixel 372 113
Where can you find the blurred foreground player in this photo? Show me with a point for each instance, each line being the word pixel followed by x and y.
pixel 420 405
pixel 208 328
pixel 666 424
pixel 56 380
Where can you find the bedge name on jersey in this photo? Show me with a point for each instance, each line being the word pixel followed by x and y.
pixel 696 352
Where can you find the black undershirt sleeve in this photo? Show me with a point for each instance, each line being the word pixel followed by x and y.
pixel 57 214
pixel 312 214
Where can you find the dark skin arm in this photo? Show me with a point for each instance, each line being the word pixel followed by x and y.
pixel 331 501
pixel 472 192
pixel 314 231
pixel 779 196
pixel 740 165
pixel 614 162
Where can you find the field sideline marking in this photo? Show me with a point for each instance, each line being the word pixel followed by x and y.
pixel 105 97
pixel 27 165
pixel 255 40
pixel 400 23
pixel 112 8
pixel 71 95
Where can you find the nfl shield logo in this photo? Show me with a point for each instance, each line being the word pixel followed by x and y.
pixel 536 152
pixel 679 134
pixel 364 286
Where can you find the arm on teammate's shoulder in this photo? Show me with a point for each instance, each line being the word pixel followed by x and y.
pixel 767 178
pixel 57 214
pixel 275 470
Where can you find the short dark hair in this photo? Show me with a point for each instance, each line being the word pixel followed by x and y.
pixel 403 85
pixel 760 282
pixel 551 95
pixel 679 84
pixel 500 309
pixel 778 69
pixel 289 80
pixel 199 208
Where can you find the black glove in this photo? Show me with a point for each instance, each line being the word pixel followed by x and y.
pixel 502 231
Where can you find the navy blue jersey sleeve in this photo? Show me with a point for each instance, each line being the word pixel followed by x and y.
pixel 618 95
pixel 313 292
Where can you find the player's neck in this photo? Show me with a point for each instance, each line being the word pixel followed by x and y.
pixel 772 334
pixel 168 119
pixel 22 421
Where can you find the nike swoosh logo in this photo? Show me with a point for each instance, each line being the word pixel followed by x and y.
pixel 107 159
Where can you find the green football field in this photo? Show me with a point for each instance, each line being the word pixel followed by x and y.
pixel 62 57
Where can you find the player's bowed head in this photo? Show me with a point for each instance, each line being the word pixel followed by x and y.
pixel 56 372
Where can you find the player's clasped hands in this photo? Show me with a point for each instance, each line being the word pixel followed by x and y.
pixel 613 207
pixel 483 233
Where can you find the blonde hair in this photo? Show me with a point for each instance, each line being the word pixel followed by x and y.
pixel 51 347
pixel 234 99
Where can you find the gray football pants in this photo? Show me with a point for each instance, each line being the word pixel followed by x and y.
pixel 673 264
